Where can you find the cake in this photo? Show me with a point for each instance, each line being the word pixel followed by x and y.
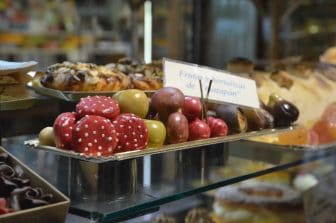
pixel 258 202
pixel 198 215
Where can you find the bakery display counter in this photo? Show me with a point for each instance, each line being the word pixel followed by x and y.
pixel 120 190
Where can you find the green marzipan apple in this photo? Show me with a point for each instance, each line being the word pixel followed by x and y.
pixel 133 101
pixel 156 133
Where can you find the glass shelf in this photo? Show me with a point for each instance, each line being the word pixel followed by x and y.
pixel 122 190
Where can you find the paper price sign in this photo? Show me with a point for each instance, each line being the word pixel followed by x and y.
pixel 225 86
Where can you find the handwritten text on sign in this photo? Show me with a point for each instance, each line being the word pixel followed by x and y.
pixel 225 87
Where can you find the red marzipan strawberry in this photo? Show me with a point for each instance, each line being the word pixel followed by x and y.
pixel 132 132
pixel 94 136
pixel 63 125
pixel 98 105
pixel 217 127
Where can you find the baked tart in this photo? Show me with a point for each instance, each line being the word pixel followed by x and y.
pixel 68 76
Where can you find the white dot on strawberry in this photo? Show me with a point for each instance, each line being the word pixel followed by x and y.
pixel 89 144
pixel 94 132
pixel 86 126
pixel 102 135
pixel 86 134
pixel 100 148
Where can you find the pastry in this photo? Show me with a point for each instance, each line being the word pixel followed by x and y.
pixel 164 219
pixel 142 82
pixel 258 202
pixel 68 76
pixel 198 215
pixel 241 66
pixel 7 79
pixel 12 86
pixel 143 76
pixel 13 92
pixel 304 181
pixel 329 56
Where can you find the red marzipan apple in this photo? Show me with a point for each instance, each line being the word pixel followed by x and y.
pixel 217 127
pixel 192 108
pixel 198 129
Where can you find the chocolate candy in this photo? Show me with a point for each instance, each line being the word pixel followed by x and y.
pixel 15 187
pixel 6 187
pixel 3 157
pixel 28 197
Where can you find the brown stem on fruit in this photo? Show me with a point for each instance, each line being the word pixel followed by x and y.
pixel 202 98
pixel 207 101
pixel 208 92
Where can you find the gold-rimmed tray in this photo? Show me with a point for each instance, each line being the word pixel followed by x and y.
pixel 71 95
pixel 34 144
pixel 18 104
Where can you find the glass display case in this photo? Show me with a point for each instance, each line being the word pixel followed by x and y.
pixel 170 183
pixel 173 183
